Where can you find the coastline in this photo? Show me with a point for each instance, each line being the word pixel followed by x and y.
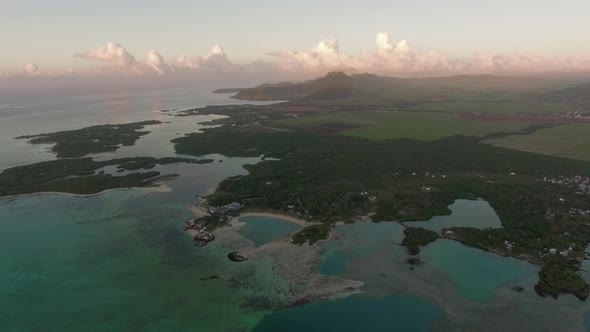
pixel 198 211
pixel 298 265
pixel 161 187
pixel 288 218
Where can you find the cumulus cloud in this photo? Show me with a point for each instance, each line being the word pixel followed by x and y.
pixel 394 58
pixel 119 59
pixel 31 70
pixel 155 61
pixel 386 57
pixel 521 63
pixel 215 60
pixel 325 55
pixel 113 54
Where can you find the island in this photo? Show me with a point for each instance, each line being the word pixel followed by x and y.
pixel 81 175
pixel 95 139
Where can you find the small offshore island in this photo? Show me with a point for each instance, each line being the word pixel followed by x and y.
pixel 95 139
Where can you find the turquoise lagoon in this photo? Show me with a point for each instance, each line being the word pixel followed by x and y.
pixel 476 274
pixel 118 261
pixel 262 230
pixel 466 213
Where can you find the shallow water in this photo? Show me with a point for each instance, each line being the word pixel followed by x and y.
pixel 470 288
pixel 476 274
pixel 262 230
pixel 466 213
pixel 49 114
pixel 356 240
pixel 116 261
pixel 400 312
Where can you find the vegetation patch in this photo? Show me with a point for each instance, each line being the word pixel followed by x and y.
pixel 416 237
pixel 558 277
pixel 492 107
pixel 568 141
pixel 312 234
pixel 401 125
pixel 95 139
pixel 77 176
pixel 148 162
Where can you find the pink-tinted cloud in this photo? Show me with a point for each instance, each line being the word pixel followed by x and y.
pixel 400 58
pixel 216 60
pixel 156 62
pixel 520 63
pixel 113 54
pixel 118 59
pixel 31 70
pixel 325 55
pixel 386 57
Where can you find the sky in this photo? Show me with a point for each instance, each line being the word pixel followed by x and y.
pixel 107 37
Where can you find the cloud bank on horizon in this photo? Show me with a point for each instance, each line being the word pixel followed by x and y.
pixel 387 58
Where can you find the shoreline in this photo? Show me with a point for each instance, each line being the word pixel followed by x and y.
pixel 198 211
pixel 284 217
pixel 162 187
pixel 298 265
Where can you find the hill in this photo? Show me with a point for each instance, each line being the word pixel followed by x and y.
pixel 333 86
pixel 339 88
pixel 578 96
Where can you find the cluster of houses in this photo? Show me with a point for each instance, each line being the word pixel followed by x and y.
pixel 198 225
pixel 565 252
pixel 371 198
pixel 567 115
pixel 553 251
pixel 428 175
pixel 509 244
pixel 581 183
pixel 224 209
pixel 579 212
pixel 202 235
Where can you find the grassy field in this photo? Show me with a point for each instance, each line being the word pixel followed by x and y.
pixel 396 125
pixel 493 107
pixel 569 141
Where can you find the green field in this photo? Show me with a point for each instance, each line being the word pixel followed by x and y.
pixel 493 107
pixel 569 141
pixel 397 125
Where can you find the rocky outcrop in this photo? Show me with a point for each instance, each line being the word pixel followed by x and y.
pixel 235 256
